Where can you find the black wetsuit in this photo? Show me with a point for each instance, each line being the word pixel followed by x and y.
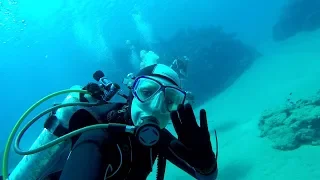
pixel 98 154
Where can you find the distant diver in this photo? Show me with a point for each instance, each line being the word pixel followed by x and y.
pixel 180 65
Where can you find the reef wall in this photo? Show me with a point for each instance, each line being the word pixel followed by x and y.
pixel 297 16
pixel 216 58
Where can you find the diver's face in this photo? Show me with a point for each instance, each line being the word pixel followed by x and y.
pixel 156 105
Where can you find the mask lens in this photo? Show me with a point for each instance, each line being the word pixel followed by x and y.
pixel 174 97
pixel 145 88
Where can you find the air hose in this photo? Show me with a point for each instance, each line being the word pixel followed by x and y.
pixel 116 127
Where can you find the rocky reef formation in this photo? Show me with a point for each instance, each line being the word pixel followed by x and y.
pixel 297 16
pixel 217 58
pixel 293 125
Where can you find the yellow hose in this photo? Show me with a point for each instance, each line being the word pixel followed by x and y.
pixel 25 114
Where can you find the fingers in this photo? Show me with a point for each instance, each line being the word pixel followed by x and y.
pixel 190 117
pixel 181 113
pixel 184 118
pixel 204 123
pixel 176 121
pixel 203 120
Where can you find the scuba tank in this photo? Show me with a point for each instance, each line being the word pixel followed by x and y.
pixel 39 165
pixel 49 152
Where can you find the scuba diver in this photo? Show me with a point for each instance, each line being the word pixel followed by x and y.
pixel 128 151
pixel 180 65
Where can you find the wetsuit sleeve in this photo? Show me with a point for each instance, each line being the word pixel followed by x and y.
pixel 172 156
pixel 85 159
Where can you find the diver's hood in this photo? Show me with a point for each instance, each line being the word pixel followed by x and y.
pixel 161 70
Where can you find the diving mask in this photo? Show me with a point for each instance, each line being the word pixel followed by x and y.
pixel 145 88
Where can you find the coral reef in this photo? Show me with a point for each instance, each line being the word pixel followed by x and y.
pixel 293 125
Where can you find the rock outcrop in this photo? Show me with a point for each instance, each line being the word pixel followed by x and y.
pixel 297 16
pixel 293 125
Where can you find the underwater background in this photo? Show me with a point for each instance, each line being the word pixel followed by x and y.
pixel 254 66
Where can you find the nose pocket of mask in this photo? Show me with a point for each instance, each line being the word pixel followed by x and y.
pixel 158 102
pixel 146 89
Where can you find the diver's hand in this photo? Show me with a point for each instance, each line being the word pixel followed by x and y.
pixel 194 146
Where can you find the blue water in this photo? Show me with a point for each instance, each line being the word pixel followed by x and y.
pixel 46 46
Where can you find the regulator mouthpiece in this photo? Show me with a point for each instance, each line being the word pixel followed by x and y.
pixel 148 132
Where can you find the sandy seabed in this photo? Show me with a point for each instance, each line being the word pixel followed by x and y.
pixel 288 67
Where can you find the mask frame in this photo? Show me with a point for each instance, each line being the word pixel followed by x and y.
pixel 162 88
